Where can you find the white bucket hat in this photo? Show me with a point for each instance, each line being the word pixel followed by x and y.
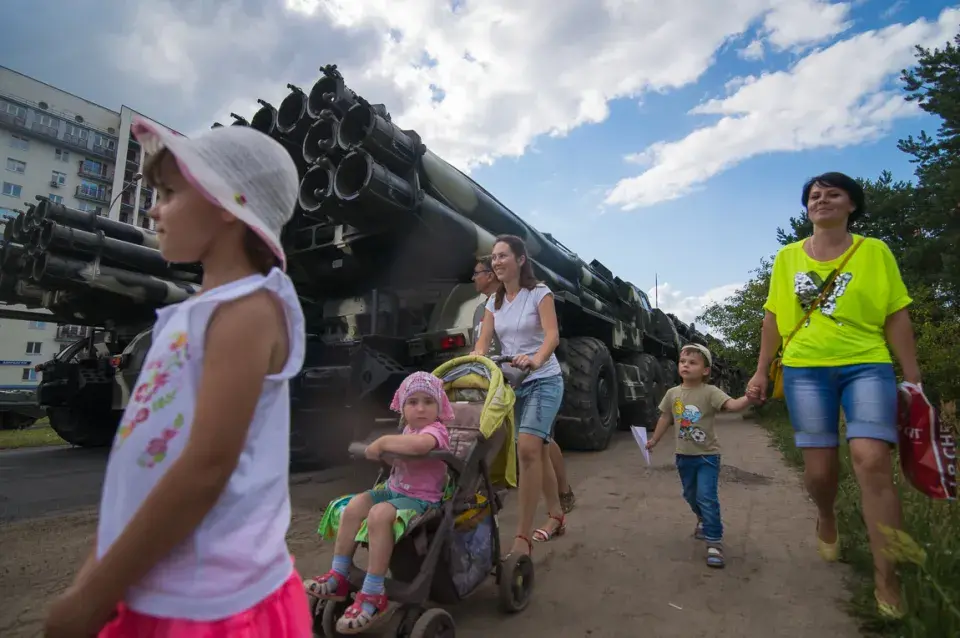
pixel 238 168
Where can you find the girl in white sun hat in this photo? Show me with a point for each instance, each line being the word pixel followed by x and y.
pixel 195 508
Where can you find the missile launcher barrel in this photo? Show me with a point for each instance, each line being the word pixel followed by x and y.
pixel 91 222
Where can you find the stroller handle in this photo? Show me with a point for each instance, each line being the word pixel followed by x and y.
pixel 358 450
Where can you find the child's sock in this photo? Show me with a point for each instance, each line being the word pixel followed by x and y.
pixel 341 565
pixel 372 586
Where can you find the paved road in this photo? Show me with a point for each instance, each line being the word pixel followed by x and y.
pixel 628 565
pixel 44 481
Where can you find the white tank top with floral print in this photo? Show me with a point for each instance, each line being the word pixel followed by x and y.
pixel 238 555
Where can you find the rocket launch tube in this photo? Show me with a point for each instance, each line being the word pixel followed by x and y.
pixel 321 138
pixel 363 182
pixel 92 222
pixel 65 240
pixel 363 128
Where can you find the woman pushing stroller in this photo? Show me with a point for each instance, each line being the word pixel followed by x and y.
pixel 414 484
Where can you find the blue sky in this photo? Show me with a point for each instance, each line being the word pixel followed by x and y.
pixel 544 104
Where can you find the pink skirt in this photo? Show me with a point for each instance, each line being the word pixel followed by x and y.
pixel 283 614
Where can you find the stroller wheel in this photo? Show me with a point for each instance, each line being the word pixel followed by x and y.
pixel 516 583
pixel 332 610
pixel 434 623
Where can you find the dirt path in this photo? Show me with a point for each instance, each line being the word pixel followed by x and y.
pixel 627 566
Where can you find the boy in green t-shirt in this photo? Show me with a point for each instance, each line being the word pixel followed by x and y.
pixel 692 406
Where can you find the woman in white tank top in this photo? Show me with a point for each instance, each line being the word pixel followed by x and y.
pixel 523 316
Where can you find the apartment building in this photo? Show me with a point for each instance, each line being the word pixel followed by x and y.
pixel 63 147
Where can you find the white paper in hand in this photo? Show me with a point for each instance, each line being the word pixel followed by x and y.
pixel 640 434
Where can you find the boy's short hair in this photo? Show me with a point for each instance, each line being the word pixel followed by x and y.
pixel 701 349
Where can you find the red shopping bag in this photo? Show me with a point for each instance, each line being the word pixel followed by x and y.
pixel 928 449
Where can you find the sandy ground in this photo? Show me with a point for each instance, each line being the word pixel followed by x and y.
pixel 628 565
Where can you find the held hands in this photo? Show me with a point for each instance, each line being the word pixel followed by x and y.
pixel 757 388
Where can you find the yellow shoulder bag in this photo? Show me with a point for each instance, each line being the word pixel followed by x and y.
pixel 776 366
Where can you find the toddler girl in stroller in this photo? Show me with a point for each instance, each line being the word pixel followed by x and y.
pixel 414 484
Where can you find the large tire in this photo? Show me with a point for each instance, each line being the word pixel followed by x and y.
pixel 590 395
pixel 85 428
pixel 646 411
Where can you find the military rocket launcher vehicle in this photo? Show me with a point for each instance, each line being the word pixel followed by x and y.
pixel 381 249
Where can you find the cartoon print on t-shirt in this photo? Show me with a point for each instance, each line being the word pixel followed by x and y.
pixel 808 285
pixel 686 417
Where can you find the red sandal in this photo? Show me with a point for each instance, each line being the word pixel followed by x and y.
pixel 356 619
pixel 523 538
pixel 320 589
pixel 542 535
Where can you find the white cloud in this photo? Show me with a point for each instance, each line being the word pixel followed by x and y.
pixel 834 97
pixel 509 71
pixel 688 307
pixel 753 51
pixel 799 23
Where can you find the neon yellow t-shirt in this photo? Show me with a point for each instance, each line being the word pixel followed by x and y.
pixel 847 328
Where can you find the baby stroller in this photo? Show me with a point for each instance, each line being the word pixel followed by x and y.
pixel 445 555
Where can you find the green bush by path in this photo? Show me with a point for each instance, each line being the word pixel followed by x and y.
pixel 931 589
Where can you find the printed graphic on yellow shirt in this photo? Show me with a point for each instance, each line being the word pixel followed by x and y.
pixel 809 285
pixel 686 418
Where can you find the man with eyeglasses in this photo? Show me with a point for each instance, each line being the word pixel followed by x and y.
pixel 486 284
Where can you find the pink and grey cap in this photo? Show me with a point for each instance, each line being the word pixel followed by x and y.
pixel 701 349
pixel 237 168
pixel 430 385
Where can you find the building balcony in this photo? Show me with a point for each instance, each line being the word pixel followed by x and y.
pixel 98 196
pixel 71 333
pixel 44 131
pixel 13 121
pixel 82 171
pixel 76 142
pixel 103 151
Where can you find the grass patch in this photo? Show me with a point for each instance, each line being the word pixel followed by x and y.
pixel 931 590
pixel 36 436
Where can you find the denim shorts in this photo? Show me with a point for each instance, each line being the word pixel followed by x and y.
pixel 400 501
pixel 537 405
pixel 867 393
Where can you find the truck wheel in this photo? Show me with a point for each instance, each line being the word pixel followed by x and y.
pixel 590 395
pixel 646 411
pixel 85 428
pixel 670 375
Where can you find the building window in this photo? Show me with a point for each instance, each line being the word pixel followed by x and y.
pixel 38 325
pixel 94 168
pixel 7 213
pixel 62 155
pixel 58 177
pixel 12 190
pixel 29 374
pixel 14 109
pixel 92 190
pixel 56 199
pixel 16 166
pixel 77 134
pixel 87 207
pixel 21 143
pixel 33 347
pixel 104 142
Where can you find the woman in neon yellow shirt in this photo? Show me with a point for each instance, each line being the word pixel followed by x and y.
pixel 839 357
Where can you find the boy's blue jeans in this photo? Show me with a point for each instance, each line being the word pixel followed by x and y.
pixel 700 476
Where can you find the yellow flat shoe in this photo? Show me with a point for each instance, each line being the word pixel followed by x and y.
pixel 886 610
pixel 829 552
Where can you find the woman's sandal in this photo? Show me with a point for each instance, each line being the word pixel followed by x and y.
pixel 523 538
pixel 715 556
pixel 829 552
pixel 542 535
pixel 357 620
pixel 886 610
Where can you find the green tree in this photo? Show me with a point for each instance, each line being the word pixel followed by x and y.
pixel 738 319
